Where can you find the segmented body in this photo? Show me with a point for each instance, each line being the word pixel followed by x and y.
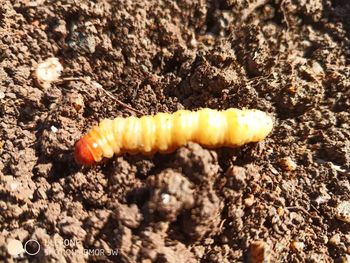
pixel 165 132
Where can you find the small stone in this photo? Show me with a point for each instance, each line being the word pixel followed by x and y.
pixel 259 251
pixel 14 247
pixel 54 129
pixel 249 201
pixel 78 105
pixel 288 164
pixel 324 239
pixel 334 240
pixel 317 68
pixel 165 198
pixel 280 211
pixel 48 72
pixel 41 193
pixel 13 186
pixel 78 102
pixel 343 211
pixel 273 170
pixel 297 246
pixel 324 198
pixel 2 95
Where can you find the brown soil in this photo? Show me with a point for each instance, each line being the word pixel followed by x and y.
pixel 284 199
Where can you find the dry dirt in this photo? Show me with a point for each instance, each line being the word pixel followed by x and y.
pixel 285 199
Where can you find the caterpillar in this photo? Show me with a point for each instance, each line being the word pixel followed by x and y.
pixel 164 132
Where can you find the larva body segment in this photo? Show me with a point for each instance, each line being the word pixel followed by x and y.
pixel 165 132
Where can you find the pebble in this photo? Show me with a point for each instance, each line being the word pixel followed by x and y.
pixel 343 211
pixel 259 252
pixel 54 129
pixel 297 246
pixel 280 211
pixel 165 198
pixel 317 68
pixel 14 247
pixel 77 101
pixel 288 164
pixel 249 201
pixel 48 72
pixel 13 186
pixel 334 240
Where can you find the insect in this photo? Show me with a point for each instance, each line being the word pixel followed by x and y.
pixel 164 132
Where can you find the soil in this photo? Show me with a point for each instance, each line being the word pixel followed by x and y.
pixel 285 199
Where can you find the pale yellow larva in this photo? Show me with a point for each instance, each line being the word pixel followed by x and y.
pixel 164 132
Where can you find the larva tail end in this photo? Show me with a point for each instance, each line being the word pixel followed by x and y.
pixel 82 153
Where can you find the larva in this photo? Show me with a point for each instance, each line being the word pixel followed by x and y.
pixel 164 132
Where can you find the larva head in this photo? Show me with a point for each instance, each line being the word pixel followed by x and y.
pixel 87 151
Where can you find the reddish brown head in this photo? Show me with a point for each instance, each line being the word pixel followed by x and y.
pixel 87 151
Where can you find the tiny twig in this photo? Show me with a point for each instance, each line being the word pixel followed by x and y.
pixel 315 208
pixel 299 208
pixel 119 101
pixel 87 81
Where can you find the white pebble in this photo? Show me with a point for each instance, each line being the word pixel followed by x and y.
pixel 13 186
pixel 48 72
pixel 54 129
pixel 14 247
pixel 317 68
pixel 165 198
pixel 343 211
